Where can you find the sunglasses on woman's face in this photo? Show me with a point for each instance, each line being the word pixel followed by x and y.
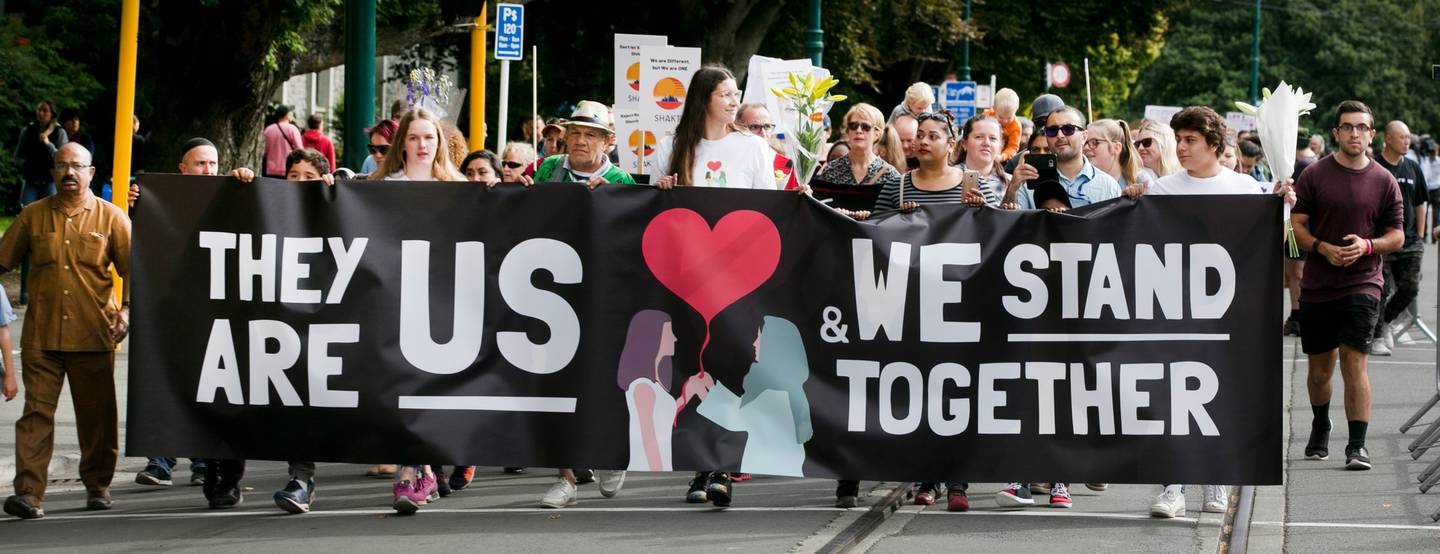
pixel 859 126
pixel 378 148
pixel 512 165
pixel 1145 143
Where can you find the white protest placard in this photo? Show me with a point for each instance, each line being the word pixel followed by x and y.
pixel 627 68
pixel 771 73
pixel 629 138
pixel 1240 121
pixel 1161 114
pixel 984 96
pixel 665 73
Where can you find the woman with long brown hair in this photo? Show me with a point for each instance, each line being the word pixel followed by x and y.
pixel 420 153
pixel 708 149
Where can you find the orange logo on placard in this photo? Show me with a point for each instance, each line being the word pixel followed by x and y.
pixel 633 75
pixel 649 143
pixel 669 93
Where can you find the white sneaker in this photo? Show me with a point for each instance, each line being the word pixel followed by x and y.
pixel 1170 503
pixel 560 495
pixel 1389 338
pixel 1217 499
pixel 610 482
pixel 1378 348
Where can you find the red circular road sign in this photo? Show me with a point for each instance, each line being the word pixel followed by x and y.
pixel 1059 74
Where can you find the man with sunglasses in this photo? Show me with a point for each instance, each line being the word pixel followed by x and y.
pixel 1349 212
pixel 1083 183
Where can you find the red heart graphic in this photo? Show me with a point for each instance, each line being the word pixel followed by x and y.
pixel 711 269
pixel 714 166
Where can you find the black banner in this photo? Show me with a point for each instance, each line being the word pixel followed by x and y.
pixel 627 327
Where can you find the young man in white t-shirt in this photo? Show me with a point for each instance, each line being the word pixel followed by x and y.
pixel 1199 140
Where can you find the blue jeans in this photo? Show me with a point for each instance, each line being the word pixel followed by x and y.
pixel 197 465
pixel 35 190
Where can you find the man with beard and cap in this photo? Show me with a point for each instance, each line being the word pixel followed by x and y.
pixel 198 156
pixel 71 329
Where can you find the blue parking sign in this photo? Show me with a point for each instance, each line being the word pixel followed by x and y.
pixel 959 98
pixel 509 32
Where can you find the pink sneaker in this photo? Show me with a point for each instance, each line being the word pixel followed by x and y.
pixel 429 488
pixel 408 498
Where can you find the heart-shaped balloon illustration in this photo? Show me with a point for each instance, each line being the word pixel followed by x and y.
pixel 714 166
pixel 711 268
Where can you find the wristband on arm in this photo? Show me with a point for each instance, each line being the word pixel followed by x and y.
pixel 1369 247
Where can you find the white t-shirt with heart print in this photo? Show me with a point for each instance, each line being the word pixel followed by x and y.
pixel 740 160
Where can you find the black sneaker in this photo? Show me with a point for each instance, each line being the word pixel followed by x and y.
pixel 227 497
pixel 1292 327
pixel 1319 446
pixel 1357 458
pixel 442 485
pixel 696 494
pixel 461 477
pixel 153 476
pixel 1014 495
pixel 583 476
pixel 295 498
pixel 718 491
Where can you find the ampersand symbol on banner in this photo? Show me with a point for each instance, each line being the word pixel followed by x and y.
pixel 831 330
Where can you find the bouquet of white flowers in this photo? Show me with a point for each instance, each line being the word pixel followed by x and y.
pixel 1277 122
pixel 811 98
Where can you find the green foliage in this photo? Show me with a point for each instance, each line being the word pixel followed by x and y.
pixel 1370 50
pixel 879 48
pixel 32 69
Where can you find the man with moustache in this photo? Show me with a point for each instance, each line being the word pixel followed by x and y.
pixel 71 329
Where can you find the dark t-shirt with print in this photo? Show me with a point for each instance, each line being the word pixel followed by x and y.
pixel 1412 192
pixel 1340 201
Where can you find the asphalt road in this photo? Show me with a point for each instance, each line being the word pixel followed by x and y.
pixel 1321 508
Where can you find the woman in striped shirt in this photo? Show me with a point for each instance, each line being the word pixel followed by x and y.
pixel 935 181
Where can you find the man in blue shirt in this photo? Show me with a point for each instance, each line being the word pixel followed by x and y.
pixel 1083 183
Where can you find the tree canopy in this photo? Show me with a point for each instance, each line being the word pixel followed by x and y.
pixel 210 67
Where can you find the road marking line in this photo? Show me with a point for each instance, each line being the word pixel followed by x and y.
pixel 1347 525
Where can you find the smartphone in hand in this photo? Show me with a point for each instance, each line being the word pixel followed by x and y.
pixel 1047 166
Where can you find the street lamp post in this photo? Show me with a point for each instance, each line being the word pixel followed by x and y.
pixel 1255 59
pixel 814 37
pixel 965 48
pixel 359 78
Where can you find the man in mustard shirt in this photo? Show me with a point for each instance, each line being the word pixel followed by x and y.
pixel 71 329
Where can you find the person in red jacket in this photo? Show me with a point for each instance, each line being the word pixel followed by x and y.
pixel 314 137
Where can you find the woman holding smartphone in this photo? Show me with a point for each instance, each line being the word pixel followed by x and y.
pixel 935 181
pixel 981 140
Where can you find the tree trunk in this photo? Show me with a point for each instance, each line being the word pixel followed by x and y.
pixel 732 34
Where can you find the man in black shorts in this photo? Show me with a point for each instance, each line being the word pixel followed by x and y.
pixel 1348 212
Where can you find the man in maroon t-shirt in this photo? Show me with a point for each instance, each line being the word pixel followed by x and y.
pixel 1348 211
